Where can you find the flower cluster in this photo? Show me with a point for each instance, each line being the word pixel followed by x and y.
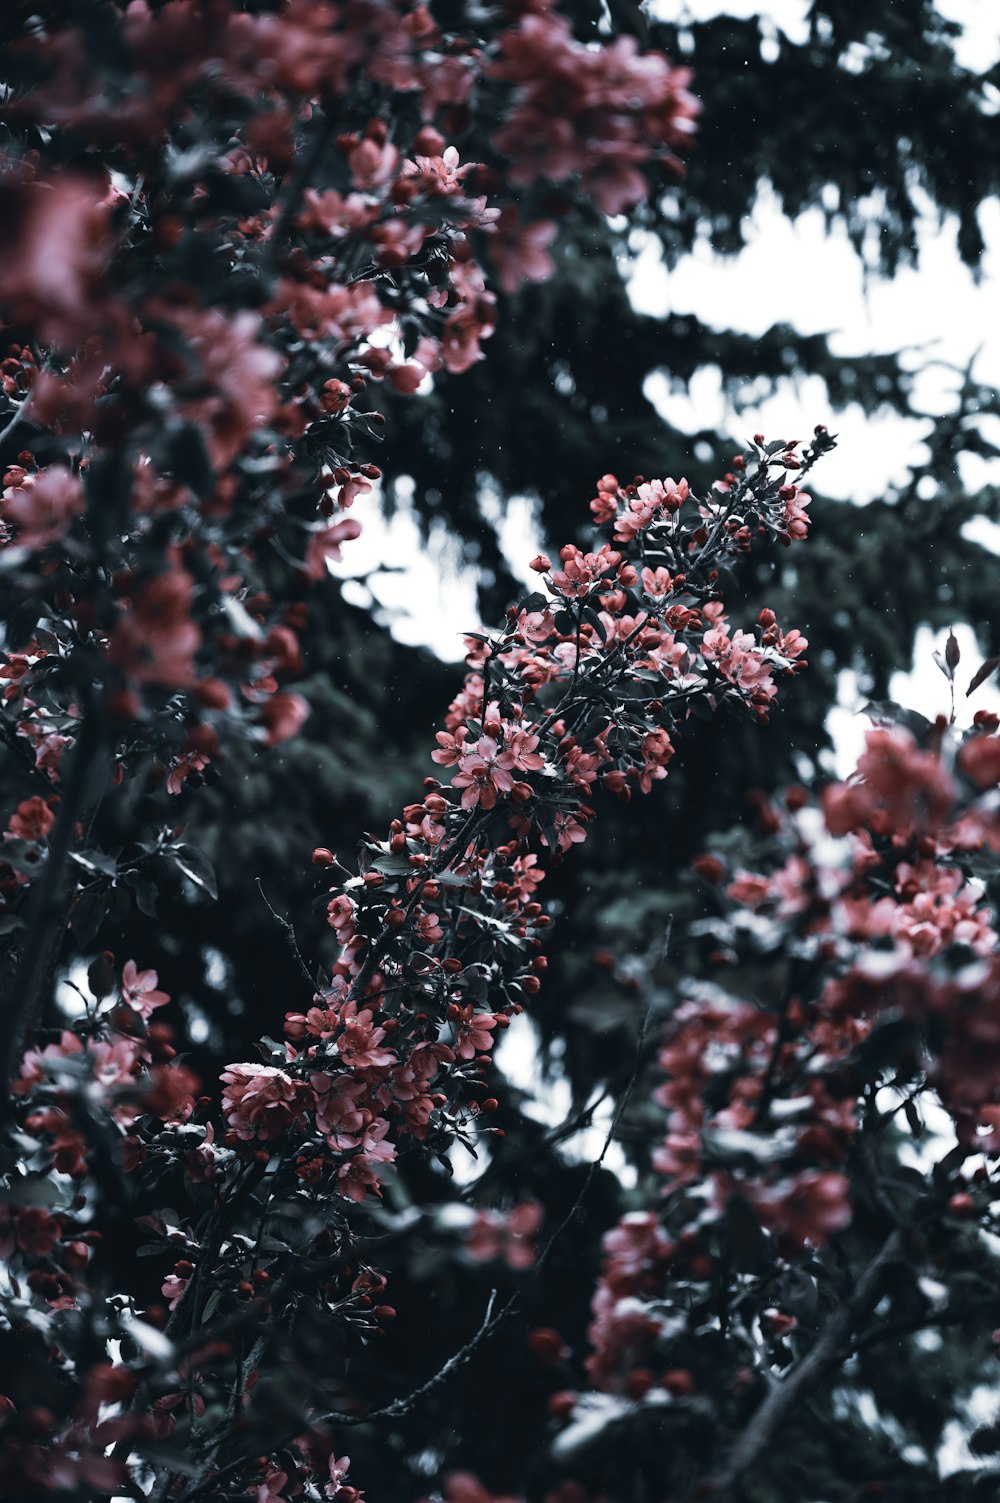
pixel 776 1096
pixel 212 268
pixel 588 686
pixel 439 939
pixel 599 113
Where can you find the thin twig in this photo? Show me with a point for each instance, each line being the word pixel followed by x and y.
pixel 289 929
pixel 394 1410
pixel 619 1112
pixel 458 1359
pixel 17 418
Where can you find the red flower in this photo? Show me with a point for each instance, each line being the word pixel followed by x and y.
pixel 155 640
pixel 979 759
pixel 32 819
pixel 37 1231
pixel 282 717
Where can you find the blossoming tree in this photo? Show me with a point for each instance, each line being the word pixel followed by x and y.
pixel 233 226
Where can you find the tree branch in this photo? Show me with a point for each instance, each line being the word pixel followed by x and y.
pixel 48 904
pixel 785 1396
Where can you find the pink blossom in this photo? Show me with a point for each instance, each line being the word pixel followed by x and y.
pixel 749 889
pixel 743 663
pixel 57 257
pixel 796 517
pixel 341 915
pixel 324 546
pixel 596 112
pixel 272 1489
pixel 230 378
pixel 261 1101
pixel 569 832
pixel 451 748
pixel 521 745
pixel 338 1474
pixel 656 582
pixel 139 990
pixel 807 1208
pixel 896 787
pixel 520 251
pixel 495 1235
pixel 328 213
pixel 114 1061
pixel 173 1288
pixel 338 1114
pixel 372 163
pixel 346 315
pixel 43 505
pixel 361 1172
pixel 462 333
pixel 358 1041
pixel 657 750
pixel 527 875
pixel 484 773
pixel 473 1031
pixel 650 501
pixel 581 571
pixel 979 759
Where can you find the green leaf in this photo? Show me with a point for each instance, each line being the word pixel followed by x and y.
pixel 887 712
pixel 195 865
pixel 95 861
pixel 88 915
pixel 982 674
pixel 536 601
pixel 145 893
pixel 392 865
pixel 589 614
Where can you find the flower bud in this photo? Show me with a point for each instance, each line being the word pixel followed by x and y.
pixel 547 1345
